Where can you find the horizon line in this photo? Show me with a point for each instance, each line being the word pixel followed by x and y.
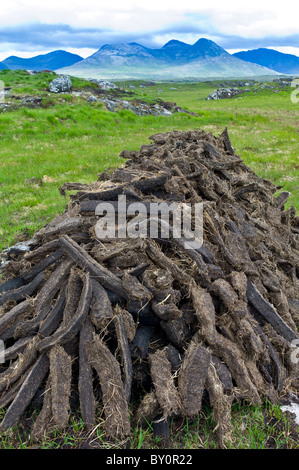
pixel 91 51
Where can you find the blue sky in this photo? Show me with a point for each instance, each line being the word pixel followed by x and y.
pixel 30 27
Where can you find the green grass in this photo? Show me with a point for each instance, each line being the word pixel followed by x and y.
pixel 70 140
pixel 22 82
pixel 253 427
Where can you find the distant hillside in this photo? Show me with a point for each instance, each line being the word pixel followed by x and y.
pixel 2 66
pixel 175 60
pixel 132 55
pixel 51 61
pixel 178 52
pixel 278 61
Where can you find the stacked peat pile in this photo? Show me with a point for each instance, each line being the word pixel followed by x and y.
pixel 103 318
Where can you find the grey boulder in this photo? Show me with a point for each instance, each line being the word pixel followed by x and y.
pixel 223 93
pixel 60 84
pixel 104 84
pixel 92 99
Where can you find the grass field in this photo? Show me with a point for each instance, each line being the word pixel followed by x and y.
pixel 71 140
pixel 68 139
pixel 254 427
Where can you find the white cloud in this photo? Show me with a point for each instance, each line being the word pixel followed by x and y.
pixel 254 18
pixel 151 23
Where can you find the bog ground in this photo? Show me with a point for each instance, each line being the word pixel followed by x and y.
pixel 70 140
pixel 48 140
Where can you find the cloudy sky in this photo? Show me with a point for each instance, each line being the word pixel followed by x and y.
pixel 31 27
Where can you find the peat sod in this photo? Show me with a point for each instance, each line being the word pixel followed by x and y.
pixel 115 318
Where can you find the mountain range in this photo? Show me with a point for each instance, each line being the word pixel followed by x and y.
pixel 283 63
pixel 51 61
pixel 175 60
